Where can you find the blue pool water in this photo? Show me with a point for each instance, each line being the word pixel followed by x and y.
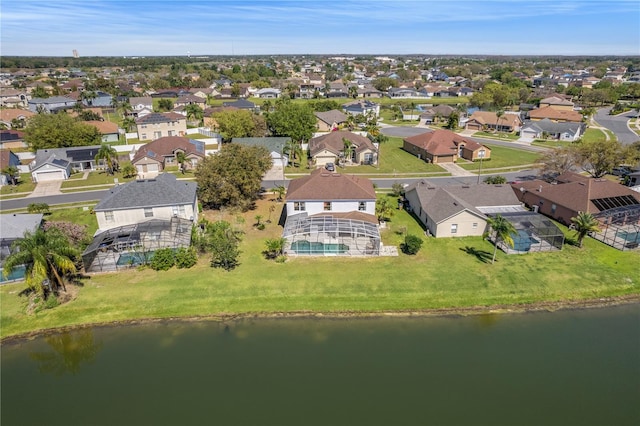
pixel 629 236
pixel 306 247
pixel 131 259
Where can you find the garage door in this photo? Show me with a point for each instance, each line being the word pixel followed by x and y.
pixel 152 167
pixel 48 176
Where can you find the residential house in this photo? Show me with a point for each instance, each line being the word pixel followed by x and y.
pixel 241 104
pixel 554 114
pixel 7 159
pixel 134 202
pixel 107 129
pixel 330 148
pixel 13 98
pixel 52 104
pixel 459 210
pixel 12 139
pixel 157 125
pixel 328 121
pixel 404 92
pixel 571 193
pixel 75 85
pixel 436 114
pixel 12 117
pixel 185 100
pixel 59 163
pixel 14 226
pixel 275 146
pixel 557 103
pixel 362 107
pixel 155 156
pixel 547 129
pixel 330 214
pixel 268 93
pixel 489 120
pixel 445 146
pixel 141 106
pixel 101 100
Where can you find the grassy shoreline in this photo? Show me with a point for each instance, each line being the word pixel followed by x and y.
pixel 447 275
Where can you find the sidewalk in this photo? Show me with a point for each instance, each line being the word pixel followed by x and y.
pixel 455 170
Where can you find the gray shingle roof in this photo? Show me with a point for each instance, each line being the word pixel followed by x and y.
pixel 273 144
pixel 165 190
pixel 14 225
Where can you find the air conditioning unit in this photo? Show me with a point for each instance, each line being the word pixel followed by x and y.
pixel 535 208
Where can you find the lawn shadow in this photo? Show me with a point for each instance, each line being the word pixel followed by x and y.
pixel 482 255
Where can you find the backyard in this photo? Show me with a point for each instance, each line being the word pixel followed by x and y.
pixel 446 273
pixel 502 157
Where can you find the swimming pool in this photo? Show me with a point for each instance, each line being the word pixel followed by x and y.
pixel 306 247
pixel 132 259
pixel 631 237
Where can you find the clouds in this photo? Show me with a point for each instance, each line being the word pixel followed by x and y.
pixel 140 27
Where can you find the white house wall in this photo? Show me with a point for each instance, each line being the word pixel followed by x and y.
pixel 315 207
pixel 132 216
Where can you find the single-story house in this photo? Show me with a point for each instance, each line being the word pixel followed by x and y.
pixel 155 156
pixel 59 163
pixel 12 139
pixel 436 114
pixel 547 129
pixel 164 197
pixel 554 114
pixel 241 104
pixel 107 129
pixel 328 121
pixel 557 102
pixel 331 214
pixel 445 146
pixel 11 117
pixel 330 148
pixel 489 120
pixel 268 93
pixel 362 107
pixel 275 145
pixel 52 104
pixel 459 210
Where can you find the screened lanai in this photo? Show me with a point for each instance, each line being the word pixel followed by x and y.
pixel 534 232
pixel 619 227
pixel 132 245
pixel 334 234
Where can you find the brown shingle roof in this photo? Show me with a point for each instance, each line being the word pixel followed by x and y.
pixel 10 114
pixel 555 114
pixel 333 116
pixel 490 117
pixel 333 142
pixel 322 185
pixel 104 127
pixel 441 142
pixel 167 146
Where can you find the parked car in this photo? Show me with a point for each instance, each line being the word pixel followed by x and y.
pixel 621 171
pixel 330 167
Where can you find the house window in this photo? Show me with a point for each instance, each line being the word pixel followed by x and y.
pixel 454 228
pixel 148 212
pixel 327 206
pixel 362 206
pixel 299 206
pixel 108 216
pixel 171 132
pixel 144 136
pixel 178 210
pixel 474 225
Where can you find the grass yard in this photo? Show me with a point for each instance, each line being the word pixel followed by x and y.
pixel 503 157
pixel 94 178
pixel 446 273
pixel 551 143
pixel 77 215
pixel 24 185
pixel 497 135
pixel 594 135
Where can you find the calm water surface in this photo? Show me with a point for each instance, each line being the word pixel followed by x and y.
pixel 564 368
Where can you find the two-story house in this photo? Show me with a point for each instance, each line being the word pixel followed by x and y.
pixel 158 125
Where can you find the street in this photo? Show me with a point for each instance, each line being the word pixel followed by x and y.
pixel 617 124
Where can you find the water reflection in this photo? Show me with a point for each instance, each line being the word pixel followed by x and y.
pixel 69 351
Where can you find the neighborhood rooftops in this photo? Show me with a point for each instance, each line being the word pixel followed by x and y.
pixel 167 146
pixel 334 142
pixel 323 185
pixel 157 117
pixel 441 142
pixel 165 190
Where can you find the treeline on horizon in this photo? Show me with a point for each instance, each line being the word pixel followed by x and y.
pixel 146 62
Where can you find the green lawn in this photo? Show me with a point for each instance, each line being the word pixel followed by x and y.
pixel 551 143
pixel 594 135
pixel 24 185
pixel 497 135
pixel 77 215
pixel 446 273
pixel 94 178
pixel 503 157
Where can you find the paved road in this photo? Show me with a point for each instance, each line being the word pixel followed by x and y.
pixel 72 197
pixel 617 124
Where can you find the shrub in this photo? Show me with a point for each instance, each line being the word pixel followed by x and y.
pixel 163 259
pixel 186 257
pixel 38 208
pixel 397 189
pixel 412 244
pixel 495 180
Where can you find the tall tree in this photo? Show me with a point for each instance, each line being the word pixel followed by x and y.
pixel 109 155
pixel 222 241
pixel 59 131
pixel 556 161
pixel 598 157
pixel 194 112
pixel 239 124
pixel 294 120
pixel 233 177
pixel 502 231
pixel 47 256
pixel 384 208
pixel 347 150
pixel 583 224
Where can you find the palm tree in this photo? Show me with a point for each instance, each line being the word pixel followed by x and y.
pixel 499 115
pixel 124 108
pixel 347 150
pixel 583 224
pixel 128 123
pixel 353 91
pixel 275 247
pixel 280 190
pixel 293 151
pixel 88 96
pixel 47 256
pixel 181 157
pixel 502 230
pixel 108 154
pixel 194 112
pixel 11 172
pixel 384 208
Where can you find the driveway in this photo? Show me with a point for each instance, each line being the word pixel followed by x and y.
pixel 44 189
pixel 403 131
pixel 618 124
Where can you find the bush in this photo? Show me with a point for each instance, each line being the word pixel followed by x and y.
pixel 38 208
pixel 412 244
pixel 163 259
pixel 186 257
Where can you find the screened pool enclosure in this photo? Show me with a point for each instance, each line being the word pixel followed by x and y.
pixel 534 233
pixel 335 234
pixel 132 245
pixel 620 227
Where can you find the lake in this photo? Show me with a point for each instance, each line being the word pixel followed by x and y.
pixel 573 367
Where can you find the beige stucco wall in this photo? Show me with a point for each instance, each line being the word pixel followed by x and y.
pixel 465 221
pixel 323 157
pixel 146 132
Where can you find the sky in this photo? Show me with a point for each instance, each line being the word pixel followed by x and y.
pixel 215 27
